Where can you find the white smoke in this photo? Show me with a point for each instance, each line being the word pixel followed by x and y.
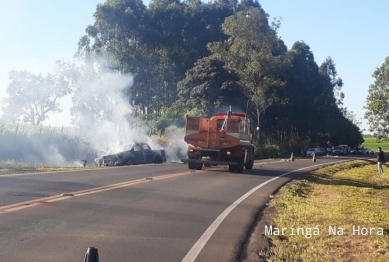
pixel 176 146
pixel 102 120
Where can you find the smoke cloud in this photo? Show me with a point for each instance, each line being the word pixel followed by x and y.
pixel 102 120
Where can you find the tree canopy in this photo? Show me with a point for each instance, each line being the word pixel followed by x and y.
pixel 190 56
pixel 205 56
pixel 377 101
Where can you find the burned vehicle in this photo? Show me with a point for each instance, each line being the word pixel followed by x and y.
pixel 134 154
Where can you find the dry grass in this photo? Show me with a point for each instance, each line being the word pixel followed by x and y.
pixel 13 167
pixel 345 195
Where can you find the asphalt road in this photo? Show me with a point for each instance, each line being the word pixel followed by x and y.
pixel 137 213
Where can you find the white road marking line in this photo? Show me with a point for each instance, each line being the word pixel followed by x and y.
pixel 199 245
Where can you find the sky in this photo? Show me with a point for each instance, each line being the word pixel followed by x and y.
pixel 36 33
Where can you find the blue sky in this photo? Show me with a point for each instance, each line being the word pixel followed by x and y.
pixel 36 33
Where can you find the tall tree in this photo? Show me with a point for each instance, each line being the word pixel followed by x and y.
pixel 377 101
pixel 256 54
pixel 208 86
pixel 328 69
pixel 157 44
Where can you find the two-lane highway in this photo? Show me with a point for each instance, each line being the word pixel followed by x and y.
pixel 136 213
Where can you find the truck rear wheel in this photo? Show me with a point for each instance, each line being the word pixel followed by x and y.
pixel 191 165
pixel 232 168
pixel 249 165
pixel 239 167
pixel 199 166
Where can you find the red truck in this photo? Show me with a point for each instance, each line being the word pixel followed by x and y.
pixel 224 139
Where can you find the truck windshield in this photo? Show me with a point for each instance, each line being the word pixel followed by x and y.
pixel 220 123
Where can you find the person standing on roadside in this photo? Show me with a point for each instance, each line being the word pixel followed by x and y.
pixel 380 160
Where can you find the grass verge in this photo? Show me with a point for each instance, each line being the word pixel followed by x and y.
pixel 345 196
pixel 373 143
pixel 12 167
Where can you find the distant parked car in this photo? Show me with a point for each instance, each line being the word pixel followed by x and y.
pixel 329 150
pixel 311 151
pixel 338 151
pixel 321 152
pixel 361 151
pixel 354 151
pixel 368 151
pixel 357 151
pixel 345 149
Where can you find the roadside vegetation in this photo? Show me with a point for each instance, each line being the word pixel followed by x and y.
pixel 344 196
pixel 375 142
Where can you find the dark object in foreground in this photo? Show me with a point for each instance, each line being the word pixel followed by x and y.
pixel 137 153
pixel 85 161
pixel 92 255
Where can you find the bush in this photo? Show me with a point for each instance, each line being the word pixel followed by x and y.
pixel 267 151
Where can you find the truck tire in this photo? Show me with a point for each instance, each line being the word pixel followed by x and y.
pixel 232 168
pixel 199 166
pixel 191 165
pixel 239 167
pixel 207 165
pixel 249 165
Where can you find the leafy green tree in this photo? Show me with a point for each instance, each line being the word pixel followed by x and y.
pixel 256 54
pixel 308 115
pixel 351 116
pixel 328 69
pixel 157 44
pixel 288 119
pixel 190 55
pixel 208 86
pixel 377 101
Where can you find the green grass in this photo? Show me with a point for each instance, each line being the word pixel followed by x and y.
pixel 346 195
pixel 373 143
